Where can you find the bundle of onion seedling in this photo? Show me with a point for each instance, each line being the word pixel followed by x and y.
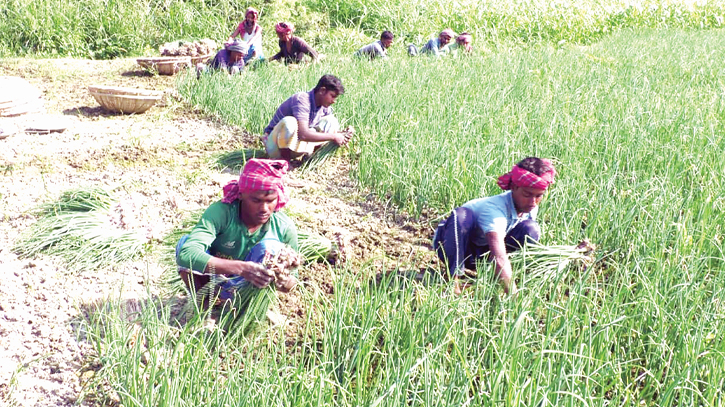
pixel 314 247
pixel 79 228
pixel 322 154
pixel 545 262
pixel 235 160
pixel 244 306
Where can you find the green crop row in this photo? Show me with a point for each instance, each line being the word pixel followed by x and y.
pixel 110 28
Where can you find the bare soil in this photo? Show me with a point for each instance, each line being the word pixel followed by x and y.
pixel 159 164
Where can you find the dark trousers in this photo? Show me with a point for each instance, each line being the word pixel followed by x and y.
pixel 454 243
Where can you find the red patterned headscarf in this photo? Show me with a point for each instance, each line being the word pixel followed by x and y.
pixel 522 178
pixel 284 28
pixel 259 175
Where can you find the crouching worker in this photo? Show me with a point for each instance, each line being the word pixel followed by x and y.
pixel 496 225
pixel 378 48
pixel 230 241
pixel 305 121
pixel 435 46
pixel 229 59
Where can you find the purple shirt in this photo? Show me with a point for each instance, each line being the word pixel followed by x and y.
pixel 221 61
pixel 302 107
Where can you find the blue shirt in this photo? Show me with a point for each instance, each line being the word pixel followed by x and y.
pixel 433 47
pixel 495 214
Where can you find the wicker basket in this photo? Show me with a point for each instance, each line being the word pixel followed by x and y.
pixel 118 90
pixel 126 103
pixel 200 59
pixel 165 65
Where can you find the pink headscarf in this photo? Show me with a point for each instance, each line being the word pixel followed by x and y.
pixel 251 10
pixel 284 28
pixel 450 33
pixel 259 175
pixel 522 178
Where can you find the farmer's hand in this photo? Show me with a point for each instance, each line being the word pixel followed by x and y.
pixel 255 273
pixel 342 137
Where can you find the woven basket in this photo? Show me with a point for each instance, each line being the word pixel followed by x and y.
pixel 200 59
pixel 165 65
pixel 118 90
pixel 126 103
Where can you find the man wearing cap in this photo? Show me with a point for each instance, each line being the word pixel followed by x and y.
pixel 292 49
pixel 305 121
pixel 495 225
pixel 378 48
pixel 234 234
pixel 229 59
pixel 436 46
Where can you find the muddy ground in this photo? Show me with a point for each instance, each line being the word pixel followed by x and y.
pixel 159 164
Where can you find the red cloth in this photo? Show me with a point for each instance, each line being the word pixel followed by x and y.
pixel 522 178
pixel 259 175
pixel 284 28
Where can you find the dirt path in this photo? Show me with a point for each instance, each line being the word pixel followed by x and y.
pixel 158 164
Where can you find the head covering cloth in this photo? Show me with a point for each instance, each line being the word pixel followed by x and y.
pixel 251 10
pixel 463 37
pixel 259 175
pixel 520 177
pixel 284 28
pixel 450 33
pixel 237 46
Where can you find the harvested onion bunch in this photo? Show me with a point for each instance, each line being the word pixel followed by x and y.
pixel 322 154
pixel 547 262
pixel 281 264
pixel 246 305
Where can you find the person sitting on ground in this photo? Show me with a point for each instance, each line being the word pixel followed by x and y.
pixel 251 33
pixel 234 234
pixel 305 121
pixel 436 46
pixel 464 43
pixel 292 49
pixel 230 59
pixel 495 225
pixel 377 48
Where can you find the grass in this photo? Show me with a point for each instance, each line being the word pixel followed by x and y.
pixel 578 340
pixel 103 29
pixel 635 125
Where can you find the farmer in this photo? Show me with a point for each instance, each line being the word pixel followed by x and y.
pixel 377 48
pixel 436 46
pixel 292 49
pixel 495 225
pixel 229 59
pixel 251 33
pixel 234 234
pixel 464 43
pixel 305 121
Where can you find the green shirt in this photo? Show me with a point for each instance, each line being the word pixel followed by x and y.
pixel 221 232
